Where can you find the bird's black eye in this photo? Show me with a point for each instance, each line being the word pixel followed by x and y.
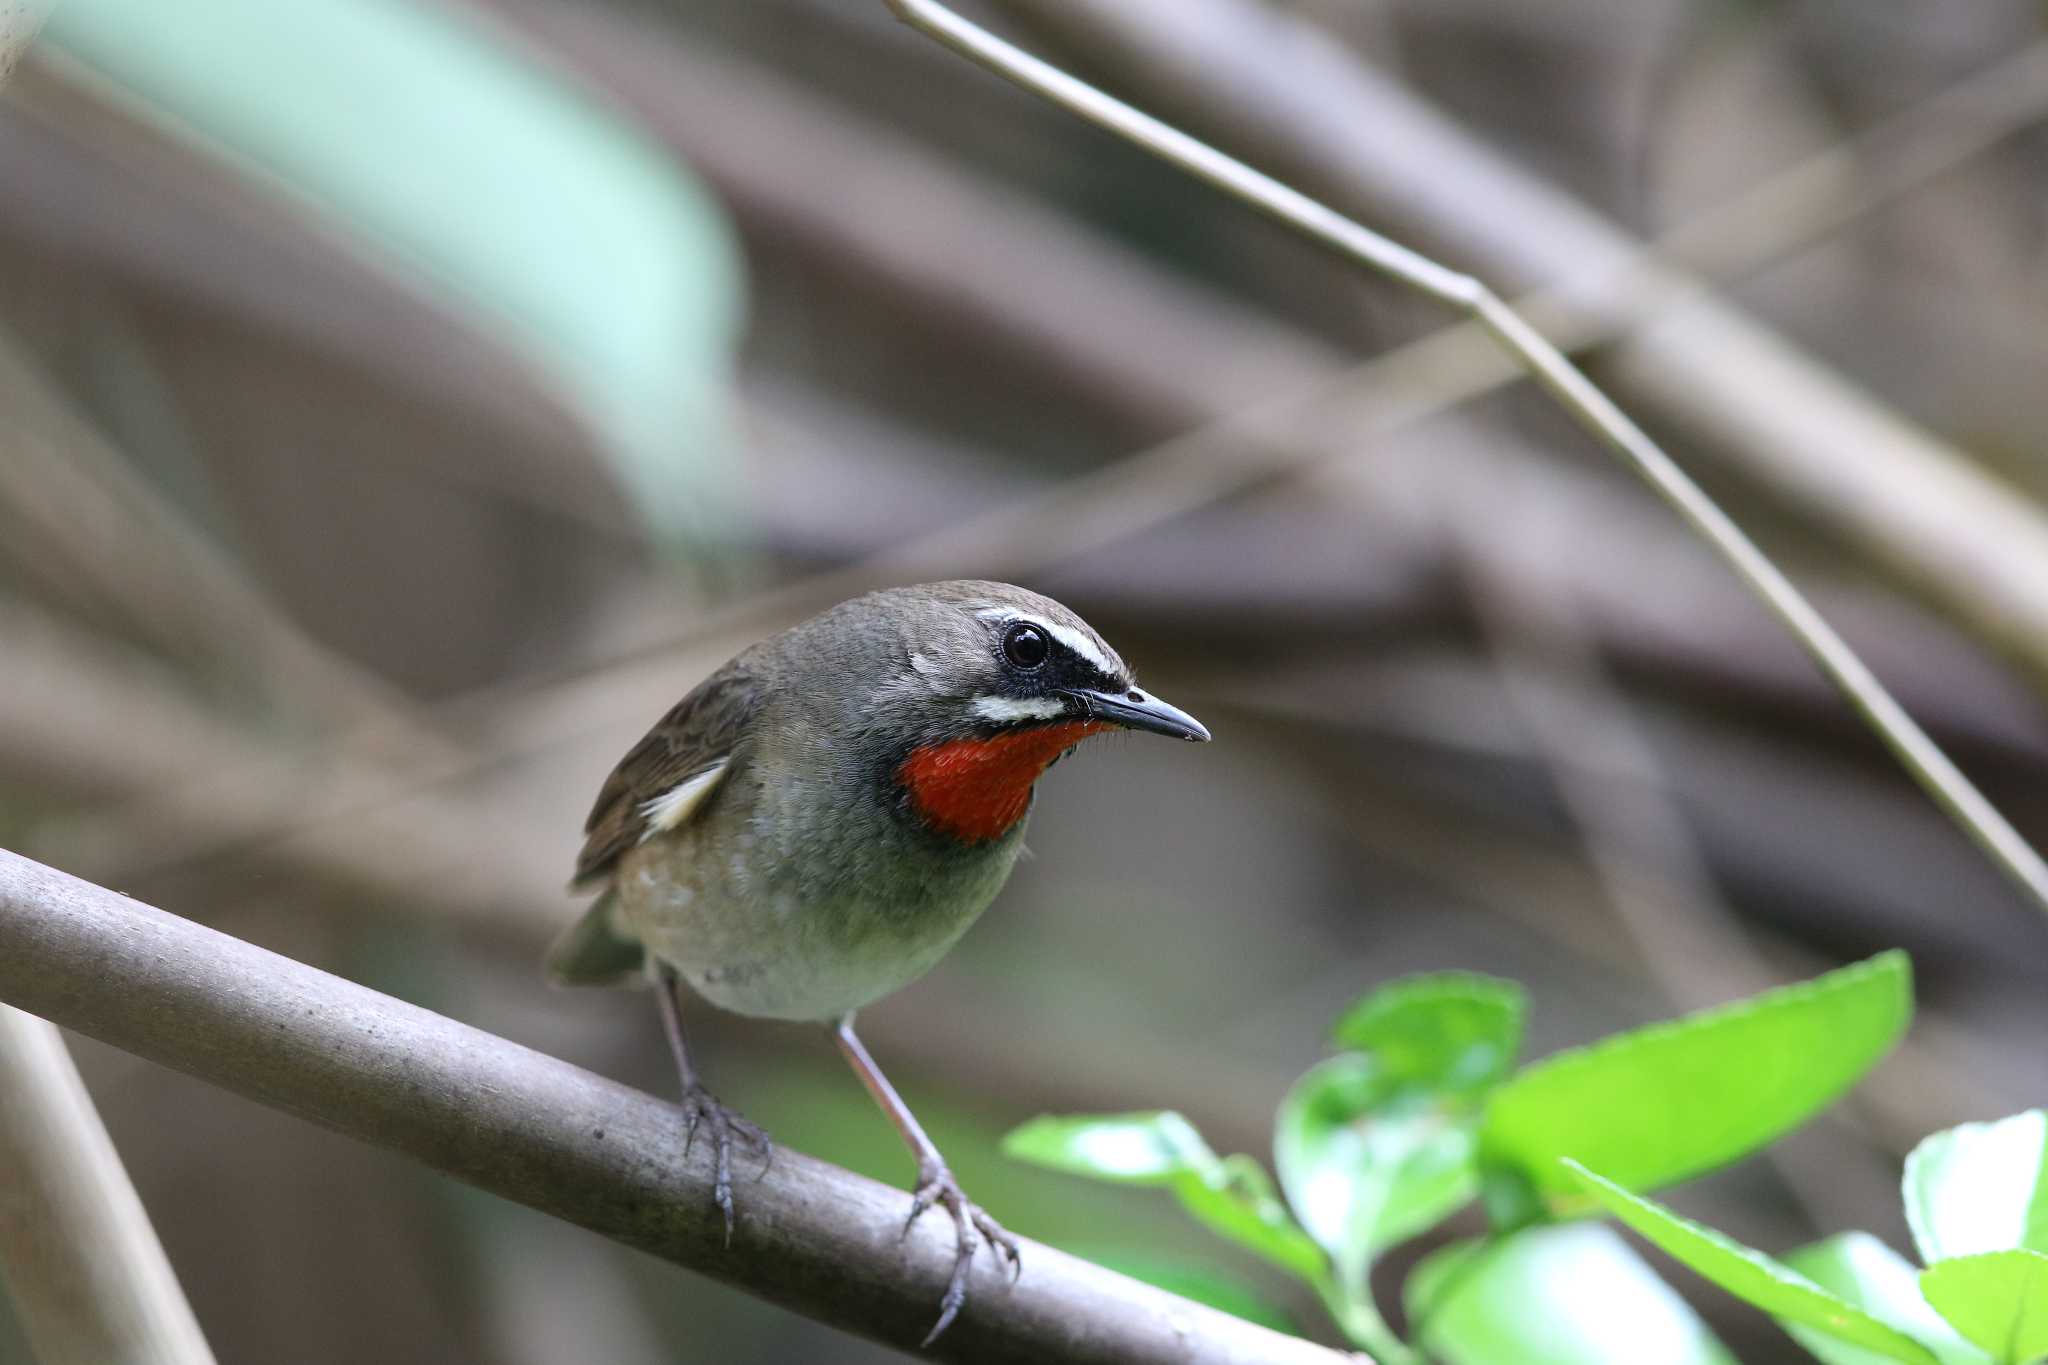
pixel 1025 646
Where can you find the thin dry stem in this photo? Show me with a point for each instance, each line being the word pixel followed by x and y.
pixel 81 1263
pixel 1924 759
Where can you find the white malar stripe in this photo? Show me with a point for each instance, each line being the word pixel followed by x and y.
pixel 668 810
pixel 1066 635
pixel 1005 710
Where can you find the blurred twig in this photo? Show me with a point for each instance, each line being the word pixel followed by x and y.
pixel 80 520
pixel 1609 780
pixel 222 777
pixel 1168 351
pixel 77 1254
pixel 814 1238
pixel 1300 103
pixel 929 232
pixel 1943 781
pixel 1653 879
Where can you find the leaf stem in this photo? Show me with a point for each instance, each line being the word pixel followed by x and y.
pixel 1360 1319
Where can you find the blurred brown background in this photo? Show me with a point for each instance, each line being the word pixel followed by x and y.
pixel 401 405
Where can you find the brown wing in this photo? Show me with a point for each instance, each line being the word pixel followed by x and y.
pixel 699 732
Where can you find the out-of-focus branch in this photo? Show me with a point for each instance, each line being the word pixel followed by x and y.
pixel 79 519
pixel 1296 101
pixel 1932 768
pixel 1131 334
pixel 417 848
pixel 20 21
pixel 77 1254
pixel 1653 877
pixel 1115 327
pixel 819 1240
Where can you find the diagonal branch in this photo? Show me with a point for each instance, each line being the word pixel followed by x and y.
pixel 1278 89
pixel 1563 381
pixel 814 1238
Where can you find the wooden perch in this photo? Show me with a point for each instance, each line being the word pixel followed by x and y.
pixel 814 1238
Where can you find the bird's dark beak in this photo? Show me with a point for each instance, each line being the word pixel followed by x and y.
pixel 1135 710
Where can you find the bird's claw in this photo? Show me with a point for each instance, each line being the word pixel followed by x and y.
pixel 700 1106
pixel 936 1186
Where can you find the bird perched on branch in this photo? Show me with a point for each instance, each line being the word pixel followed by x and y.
pixel 820 820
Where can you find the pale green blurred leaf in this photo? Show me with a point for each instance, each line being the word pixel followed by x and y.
pixel 1980 1187
pixel 1148 1148
pixel 1862 1270
pixel 513 197
pixel 1232 1196
pixel 1567 1295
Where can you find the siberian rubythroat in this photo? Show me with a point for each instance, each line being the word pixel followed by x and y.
pixel 820 820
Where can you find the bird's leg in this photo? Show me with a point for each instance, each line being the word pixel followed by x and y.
pixel 935 1182
pixel 700 1105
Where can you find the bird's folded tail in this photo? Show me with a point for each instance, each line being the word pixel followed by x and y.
pixel 595 952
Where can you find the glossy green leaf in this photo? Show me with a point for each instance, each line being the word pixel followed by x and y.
pixel 1376 1145
pixel 1568 1295
pixel 1667 1102
pixel 1232 1195
pixel 1998 1299
pixel 480 177
pixel 1367 1162
pixel 1980 1187
pixel 1859 1268
pixel 1752 1276
pixel 1453 1030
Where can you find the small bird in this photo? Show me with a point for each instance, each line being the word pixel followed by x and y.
pixel 820 820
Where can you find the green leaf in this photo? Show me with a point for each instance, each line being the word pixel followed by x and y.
pixel 1232 1196
pixel 1376 1145
pixel 1134 1149
pixel 1453 1030
pixel 1570 1295
pixel 1980 1187
pixel 1861 1269
pixel 1999 1300
pixel 1667 1102
pixel 1752 1276
pixel 1200 1283
pixel 1367 1163
pixel 1243 1206
pixel 482 179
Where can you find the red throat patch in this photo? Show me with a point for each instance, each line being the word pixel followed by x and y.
pixel 975 789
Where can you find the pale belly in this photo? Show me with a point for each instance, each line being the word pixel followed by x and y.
pixel 752 935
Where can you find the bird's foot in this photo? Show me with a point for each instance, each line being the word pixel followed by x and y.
pixel 936 1186
pixel 722 1125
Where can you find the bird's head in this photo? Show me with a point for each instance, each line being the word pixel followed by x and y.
pixel 983 687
